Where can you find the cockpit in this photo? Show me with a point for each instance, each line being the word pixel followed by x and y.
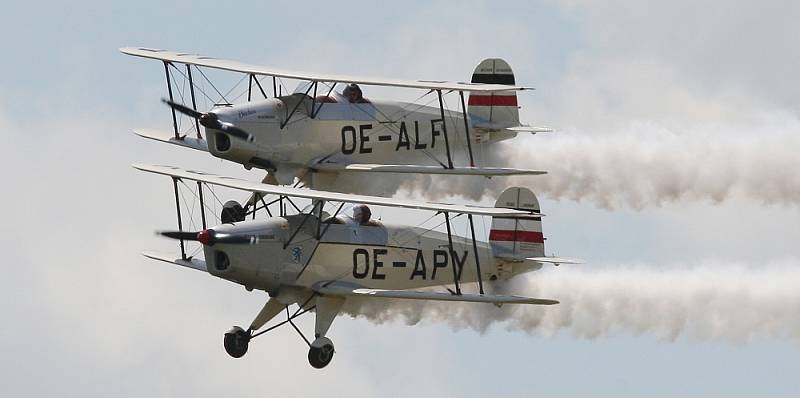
pixel 362 216
pixel 352 92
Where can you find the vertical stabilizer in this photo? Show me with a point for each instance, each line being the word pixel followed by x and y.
pixel 498 108
pixel 518 238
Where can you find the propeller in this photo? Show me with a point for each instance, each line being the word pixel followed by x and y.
pixel 210 120
pixel 209 237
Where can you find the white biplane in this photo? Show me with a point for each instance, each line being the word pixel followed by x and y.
pixel 317 133
pixel 318 261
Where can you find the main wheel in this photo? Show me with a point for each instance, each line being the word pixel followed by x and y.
pixel 321 352
pixel 236 342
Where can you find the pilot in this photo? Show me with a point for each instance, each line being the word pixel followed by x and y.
pixel 353 94
pixel 361 214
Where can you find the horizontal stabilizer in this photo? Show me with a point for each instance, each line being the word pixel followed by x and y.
pixel 484 125
pixel 192 263
pixel 400 168
pixel 530 129
pixel 555 260
pixel 342 289
pixel 187 142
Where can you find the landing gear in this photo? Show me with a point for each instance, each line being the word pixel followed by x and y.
pixel 236 342
pixel 321 352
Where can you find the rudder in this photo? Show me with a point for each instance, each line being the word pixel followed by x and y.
pixel 498 108
pixel 517 237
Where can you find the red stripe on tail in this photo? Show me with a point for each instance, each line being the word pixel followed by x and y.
pixel 493 100
pixel 518 236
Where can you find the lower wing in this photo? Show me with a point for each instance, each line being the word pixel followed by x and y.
pixel 400 168
pixel 186 142
pixel 342 289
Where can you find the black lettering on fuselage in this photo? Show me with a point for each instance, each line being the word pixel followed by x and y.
pixel 434 132
pixel 356 273
pixel 364 138
pixel 419 267
pixel 439 261
pixel 403 139
pixel 377 263
pixel 417 144
pixel 460 262
pixel 347 150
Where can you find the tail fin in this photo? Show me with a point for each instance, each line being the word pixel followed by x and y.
pixel 517 238
pixel 499 108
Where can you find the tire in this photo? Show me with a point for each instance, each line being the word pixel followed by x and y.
pixel 236 342
pixel 320 357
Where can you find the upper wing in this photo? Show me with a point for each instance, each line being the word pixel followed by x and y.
pixel 236 66
pixel 324 195
pixel 400 168
pixel 341 289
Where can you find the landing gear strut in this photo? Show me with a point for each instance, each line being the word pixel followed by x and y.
pixel 321 352
pixel 236 342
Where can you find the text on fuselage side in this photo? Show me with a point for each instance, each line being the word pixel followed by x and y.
pixel 357 139
pixel 369 263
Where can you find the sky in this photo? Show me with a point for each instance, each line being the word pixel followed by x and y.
pixel 673 173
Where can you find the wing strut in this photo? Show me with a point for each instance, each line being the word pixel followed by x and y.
pixel 194 103
pixel 299 227
pixel 202 204
pixel 456 273
pixel 444 130
pixel 319 240
pixel 469 141
pixel 297 105
pixel 174 118
pixel 475 249
pixel 178 208
pixel 250 87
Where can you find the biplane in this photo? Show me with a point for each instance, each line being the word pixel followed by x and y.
pixel 328 126
pixel 317 260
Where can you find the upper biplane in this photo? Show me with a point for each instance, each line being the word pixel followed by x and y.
pixel 328 126
pixel 318 261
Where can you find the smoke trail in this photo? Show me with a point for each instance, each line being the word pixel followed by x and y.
pixel 641 166
pixel 707 302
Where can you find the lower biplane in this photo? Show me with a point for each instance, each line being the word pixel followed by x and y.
pixel 317 261
pixel 327 126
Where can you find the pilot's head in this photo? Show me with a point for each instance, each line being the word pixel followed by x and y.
pixel 352 92
pixel 361 214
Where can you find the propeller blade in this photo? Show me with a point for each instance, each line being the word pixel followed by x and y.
pixel 182 109
pixel 210 237
pixel 184 235
pixel 234 131
pixel 209 120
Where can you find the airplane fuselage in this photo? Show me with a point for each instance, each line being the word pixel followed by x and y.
pixel 385 132
pixel 374 256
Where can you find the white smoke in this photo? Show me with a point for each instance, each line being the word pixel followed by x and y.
pixel 641 165
pixel 734 302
